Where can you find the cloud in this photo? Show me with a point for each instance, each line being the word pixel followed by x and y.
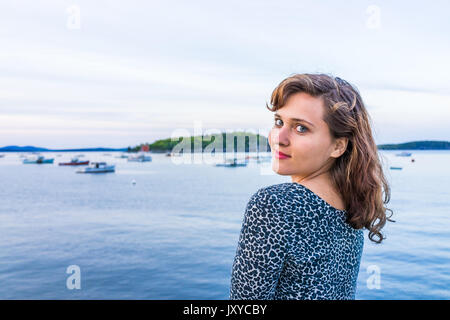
pixel 148 68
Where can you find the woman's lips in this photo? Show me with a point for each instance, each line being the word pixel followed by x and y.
pixel 281 155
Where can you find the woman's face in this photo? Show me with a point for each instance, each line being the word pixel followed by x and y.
pixel 308 144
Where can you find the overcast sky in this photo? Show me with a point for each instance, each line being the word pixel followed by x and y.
pixel 118 73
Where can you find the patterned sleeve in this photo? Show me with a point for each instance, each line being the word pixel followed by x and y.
pixel 262 248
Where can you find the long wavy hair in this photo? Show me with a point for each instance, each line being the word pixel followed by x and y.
pixel 358 172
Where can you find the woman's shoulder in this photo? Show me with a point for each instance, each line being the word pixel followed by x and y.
pixel 282 196
pixel 266 211
pixel 294 200
pixel 286 191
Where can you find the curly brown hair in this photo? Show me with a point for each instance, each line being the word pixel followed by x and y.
pixel 358 172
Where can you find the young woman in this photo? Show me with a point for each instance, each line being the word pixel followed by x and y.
pixel 304 239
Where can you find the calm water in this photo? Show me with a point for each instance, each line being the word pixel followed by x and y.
pixel 173 234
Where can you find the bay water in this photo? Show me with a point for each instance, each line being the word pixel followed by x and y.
pixel 161 230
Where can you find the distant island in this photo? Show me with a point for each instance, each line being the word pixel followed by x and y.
pixel 39 149
pixel 250 142
pixel 417 145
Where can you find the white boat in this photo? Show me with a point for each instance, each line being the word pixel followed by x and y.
pixel 170 154
pixel 140 158
pixel 122 156
pixel 264 159
pixel 98 167
pixel 259 159
pixel 232 163
pixel 403 154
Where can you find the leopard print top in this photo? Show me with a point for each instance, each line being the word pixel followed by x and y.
pixel 294 245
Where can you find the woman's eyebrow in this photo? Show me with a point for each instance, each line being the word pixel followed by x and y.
pixel 295 119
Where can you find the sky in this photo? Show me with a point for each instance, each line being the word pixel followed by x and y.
pixel 109 73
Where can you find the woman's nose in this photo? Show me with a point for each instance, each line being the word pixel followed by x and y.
pixel 280 136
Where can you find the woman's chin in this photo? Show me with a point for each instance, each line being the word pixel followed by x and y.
pixel 279 169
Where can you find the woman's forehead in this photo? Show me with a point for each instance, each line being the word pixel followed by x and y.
pixel 303 106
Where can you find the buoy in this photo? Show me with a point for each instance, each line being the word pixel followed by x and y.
pixel 133 182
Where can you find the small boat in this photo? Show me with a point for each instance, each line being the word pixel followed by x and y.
pixel 98 167
pixel 404 154
pixel 38 160
pixel 140 158
pixel 232 163
pixel 74 162
pixel 170 154
pixel 122 156
pixel 259 158
pixel 262 159
pixel 395 168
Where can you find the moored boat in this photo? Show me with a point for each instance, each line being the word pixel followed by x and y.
pixel 232 163
pixel 404 154
pixel 140 158
pixel 74 162
pixel 170 154
pixel 38 160
pixel 97 167
pixel 259 158
pixel 122 156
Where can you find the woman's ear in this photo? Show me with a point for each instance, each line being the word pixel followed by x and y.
pixel 340 145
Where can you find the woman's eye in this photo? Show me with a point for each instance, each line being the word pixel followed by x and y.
pixel 304 128
pixel 279 123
